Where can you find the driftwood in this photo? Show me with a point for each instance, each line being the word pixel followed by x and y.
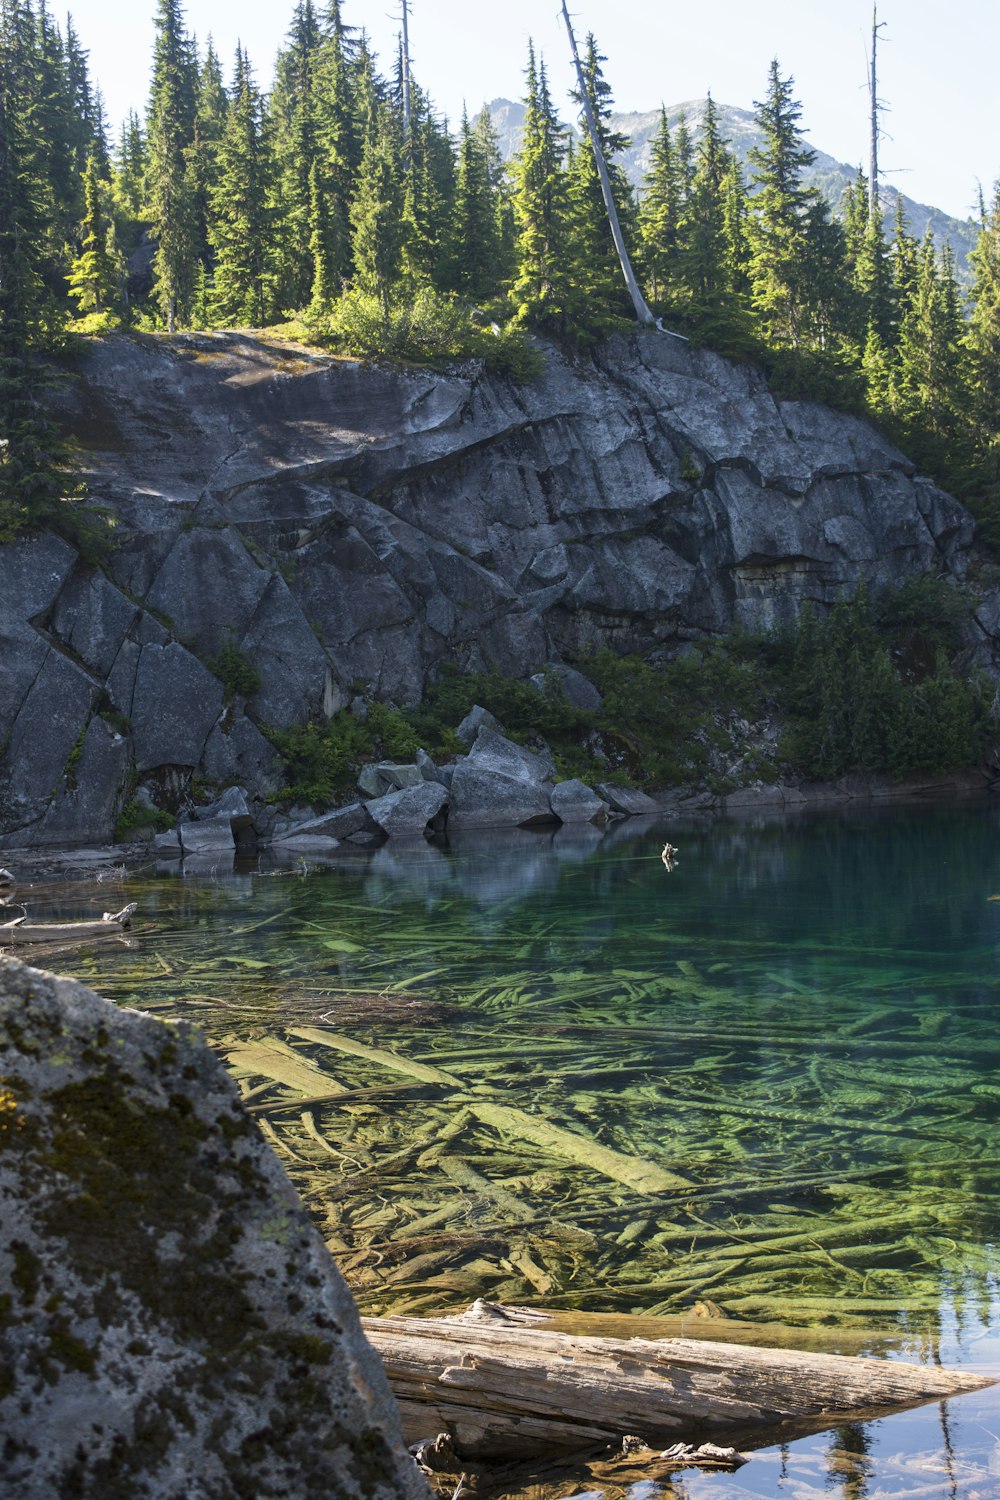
pixel 502 1386
pixel 23 931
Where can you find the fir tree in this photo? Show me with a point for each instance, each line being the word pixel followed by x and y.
pixel 377 215
pixel 241 229
pixel 429 198
pixel 293 116
pixel 128 167
pixel 211 107
pixel 779 226
pixel 171 182
pixel 982 342
pixel 333 173
pixel 660 214
pixel 599 294
pixel 94 279
pixel 706 273
pixel 32 480
pixel 475 253
pixel 925 391
pixel 541 288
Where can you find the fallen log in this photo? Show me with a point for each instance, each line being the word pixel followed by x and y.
pixel 502 1386
pixel 23 931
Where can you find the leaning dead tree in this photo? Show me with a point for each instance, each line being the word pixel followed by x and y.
pixel 643 312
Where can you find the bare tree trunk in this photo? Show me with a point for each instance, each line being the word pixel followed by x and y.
pixel 873 196
pixel 503 1386
pixel 642 310
pixel 406 69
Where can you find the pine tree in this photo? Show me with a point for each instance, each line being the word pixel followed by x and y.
pixel 94 279
pixel 541 290
pixel 241 229
pixel 171 181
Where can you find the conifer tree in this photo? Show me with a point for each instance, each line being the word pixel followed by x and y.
pixel 241 229
pixel 599 296
pixel 94 279
pixel 541 290
pixel 779 226
pixel 925 391
pixel 377 214
pixel 500 191
pixel 32 483
pixel 429 197
pixel 171 183
pixel 706 275
pixel 332 176
pixel 292 112
pixel 982 341
pixel 128 167
pixel 211 107
pixel 474 262
pixel 660 214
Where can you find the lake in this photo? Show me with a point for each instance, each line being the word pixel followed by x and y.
pixel 753 1097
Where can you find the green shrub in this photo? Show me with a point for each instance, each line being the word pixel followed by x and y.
pixel 139 817
pixel 855 705
pixel 321 760
pixel 424 327
pixel 236 671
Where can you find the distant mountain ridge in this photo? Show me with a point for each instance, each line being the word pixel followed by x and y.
pixel 740 129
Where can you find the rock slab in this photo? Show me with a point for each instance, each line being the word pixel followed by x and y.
pixel 172 1325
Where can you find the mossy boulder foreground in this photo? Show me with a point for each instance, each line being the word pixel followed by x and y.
pixel 170 1324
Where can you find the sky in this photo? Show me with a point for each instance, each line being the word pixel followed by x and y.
pixel 937 64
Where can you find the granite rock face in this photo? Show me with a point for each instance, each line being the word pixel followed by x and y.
pixel 347 527
pixel 173 1325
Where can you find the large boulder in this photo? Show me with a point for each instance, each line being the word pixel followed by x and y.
pixel 406 813
pixel 627 799
pixel 575 802
pixel 500 783
pixel 172 1323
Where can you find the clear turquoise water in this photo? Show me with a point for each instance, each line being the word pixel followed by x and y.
pixel 799 1021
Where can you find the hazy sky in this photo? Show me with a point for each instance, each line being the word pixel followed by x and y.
pixel 938 63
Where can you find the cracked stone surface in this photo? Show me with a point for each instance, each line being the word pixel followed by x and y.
pixel 172 1324
pixel 350 527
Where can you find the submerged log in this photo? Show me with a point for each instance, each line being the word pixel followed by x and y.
pixel 23 931
pixel 502 1386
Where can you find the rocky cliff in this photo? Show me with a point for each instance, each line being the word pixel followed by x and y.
pixel 351 527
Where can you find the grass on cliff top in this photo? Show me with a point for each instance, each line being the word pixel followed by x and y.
pixel 877 686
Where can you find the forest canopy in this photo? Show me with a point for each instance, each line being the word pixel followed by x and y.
pixel 340 206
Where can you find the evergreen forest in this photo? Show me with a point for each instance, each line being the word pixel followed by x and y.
pixel 341 208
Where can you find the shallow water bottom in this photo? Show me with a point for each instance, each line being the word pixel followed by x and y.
pixel 760 1088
